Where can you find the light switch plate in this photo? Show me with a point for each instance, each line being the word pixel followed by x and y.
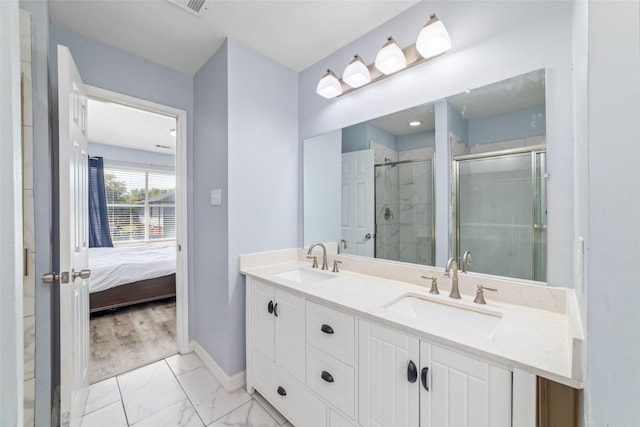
pixel 216 197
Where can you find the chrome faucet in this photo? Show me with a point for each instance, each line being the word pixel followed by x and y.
pixel 452 263
pixel 467 259
pixel 324 254
pixel 342 242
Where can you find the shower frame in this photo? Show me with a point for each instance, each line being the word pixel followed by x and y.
pixel 535 205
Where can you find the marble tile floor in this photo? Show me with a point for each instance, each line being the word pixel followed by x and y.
pixel 130 337
pixel 176 391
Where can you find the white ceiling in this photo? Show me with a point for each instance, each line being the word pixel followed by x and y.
pixel 295 33
pixel 116 124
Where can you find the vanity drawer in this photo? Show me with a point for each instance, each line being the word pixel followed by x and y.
pixel 331 331
pixel 332 380
pixel 286 394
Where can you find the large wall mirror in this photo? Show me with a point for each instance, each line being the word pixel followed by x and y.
pixel 470 167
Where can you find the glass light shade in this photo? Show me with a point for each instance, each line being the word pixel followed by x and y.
pixel 329 86
pixel 390 58
pixel 433 38
pixel 356 74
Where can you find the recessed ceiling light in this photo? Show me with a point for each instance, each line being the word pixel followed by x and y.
pixel 415 123
pixel 172 132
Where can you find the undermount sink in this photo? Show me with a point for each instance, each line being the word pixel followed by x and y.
pixel 302 275
pixel 479 322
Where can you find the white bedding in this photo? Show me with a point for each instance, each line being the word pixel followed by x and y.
pixel 111 267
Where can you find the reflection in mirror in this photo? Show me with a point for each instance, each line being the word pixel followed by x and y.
pixel 375 184
pixel 404 177
pixel 386 187
pixel 499 183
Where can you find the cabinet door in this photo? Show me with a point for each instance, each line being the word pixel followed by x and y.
pixel 463 391
pixel 262 325
pixel 386 396
pixel 289 339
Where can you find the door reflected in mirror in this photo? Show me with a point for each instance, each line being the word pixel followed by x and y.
pixel 389 182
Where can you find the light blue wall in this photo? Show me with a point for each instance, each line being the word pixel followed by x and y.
pixel 113 153
pixel 492 41
pixel 613 362
pixel 246 145
pixel 354 138
pixel 210 244
pixel 322 162
pixel 505 127
pixel 263 171
pixel 457 124
pixel 416 140
pixel 381 136
pixel 442 173
pixel 357 137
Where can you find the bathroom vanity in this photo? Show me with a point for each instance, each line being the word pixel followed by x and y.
pixel 371 346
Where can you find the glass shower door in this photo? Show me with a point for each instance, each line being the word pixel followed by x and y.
pixel 498 218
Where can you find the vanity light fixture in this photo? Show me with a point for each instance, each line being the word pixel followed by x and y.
pixel 356 74
pixel 329 86
pixel 390 58
pixel 433 40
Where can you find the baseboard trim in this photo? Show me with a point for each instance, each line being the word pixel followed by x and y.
pixel 230 383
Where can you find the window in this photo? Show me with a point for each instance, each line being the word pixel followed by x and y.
pixel 141 205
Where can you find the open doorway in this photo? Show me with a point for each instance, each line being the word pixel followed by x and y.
pixel 137 227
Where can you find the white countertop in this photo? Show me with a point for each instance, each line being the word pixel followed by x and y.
pixel 538 340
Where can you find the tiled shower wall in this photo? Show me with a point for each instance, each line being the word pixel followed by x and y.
pixel 416 225
pixel 406 190
pixel 28 220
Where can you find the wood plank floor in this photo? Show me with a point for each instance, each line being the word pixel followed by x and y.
pixel 130 337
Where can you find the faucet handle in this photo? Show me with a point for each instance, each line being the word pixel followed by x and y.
pixel 335 266
pixel 480 294
pixel 434 284
pixel 315 261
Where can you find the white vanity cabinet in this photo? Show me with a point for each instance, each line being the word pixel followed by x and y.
pixel 278 327
pixel 325 367
pixel 408 382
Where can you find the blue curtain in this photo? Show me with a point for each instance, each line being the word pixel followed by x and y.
pixel 99 234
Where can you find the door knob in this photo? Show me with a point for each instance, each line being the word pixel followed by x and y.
pixel 54 277
pixel 367 236
pixel 83 274
pixel 50 277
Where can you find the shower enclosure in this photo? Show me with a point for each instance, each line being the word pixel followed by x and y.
pixel 500 212
pixel 405 211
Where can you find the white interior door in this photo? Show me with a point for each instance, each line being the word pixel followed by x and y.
pixel 358 215
pixel 74 230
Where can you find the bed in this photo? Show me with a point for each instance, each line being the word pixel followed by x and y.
pixel 122 276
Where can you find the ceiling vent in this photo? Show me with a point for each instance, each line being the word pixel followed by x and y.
pixel 196 7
